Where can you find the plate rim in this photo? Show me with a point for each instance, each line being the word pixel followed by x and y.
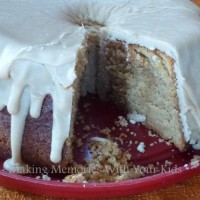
pixel 94 190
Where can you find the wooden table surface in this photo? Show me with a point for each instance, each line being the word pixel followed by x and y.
pixel 187 190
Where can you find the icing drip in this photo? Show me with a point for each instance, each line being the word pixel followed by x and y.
pixel 23 93
pixel 16 164
pixel 42 61
pixel 25 80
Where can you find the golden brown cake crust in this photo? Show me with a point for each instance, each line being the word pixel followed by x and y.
pixel 36 144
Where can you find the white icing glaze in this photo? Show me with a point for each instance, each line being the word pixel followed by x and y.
pixel 39 43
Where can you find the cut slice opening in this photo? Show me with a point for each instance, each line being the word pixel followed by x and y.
pixel 133 77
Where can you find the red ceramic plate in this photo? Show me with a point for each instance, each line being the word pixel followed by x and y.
pixel 161 162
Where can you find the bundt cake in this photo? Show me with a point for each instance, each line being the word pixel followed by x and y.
pixel 142 55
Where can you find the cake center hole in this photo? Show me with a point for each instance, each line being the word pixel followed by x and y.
pixel 90 23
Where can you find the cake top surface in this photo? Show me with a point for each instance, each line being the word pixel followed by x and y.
pixel 31 23
pixel 29 27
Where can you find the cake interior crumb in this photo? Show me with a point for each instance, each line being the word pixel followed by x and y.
pixel 107 164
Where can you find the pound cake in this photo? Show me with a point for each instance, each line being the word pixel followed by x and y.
pixel 142 55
